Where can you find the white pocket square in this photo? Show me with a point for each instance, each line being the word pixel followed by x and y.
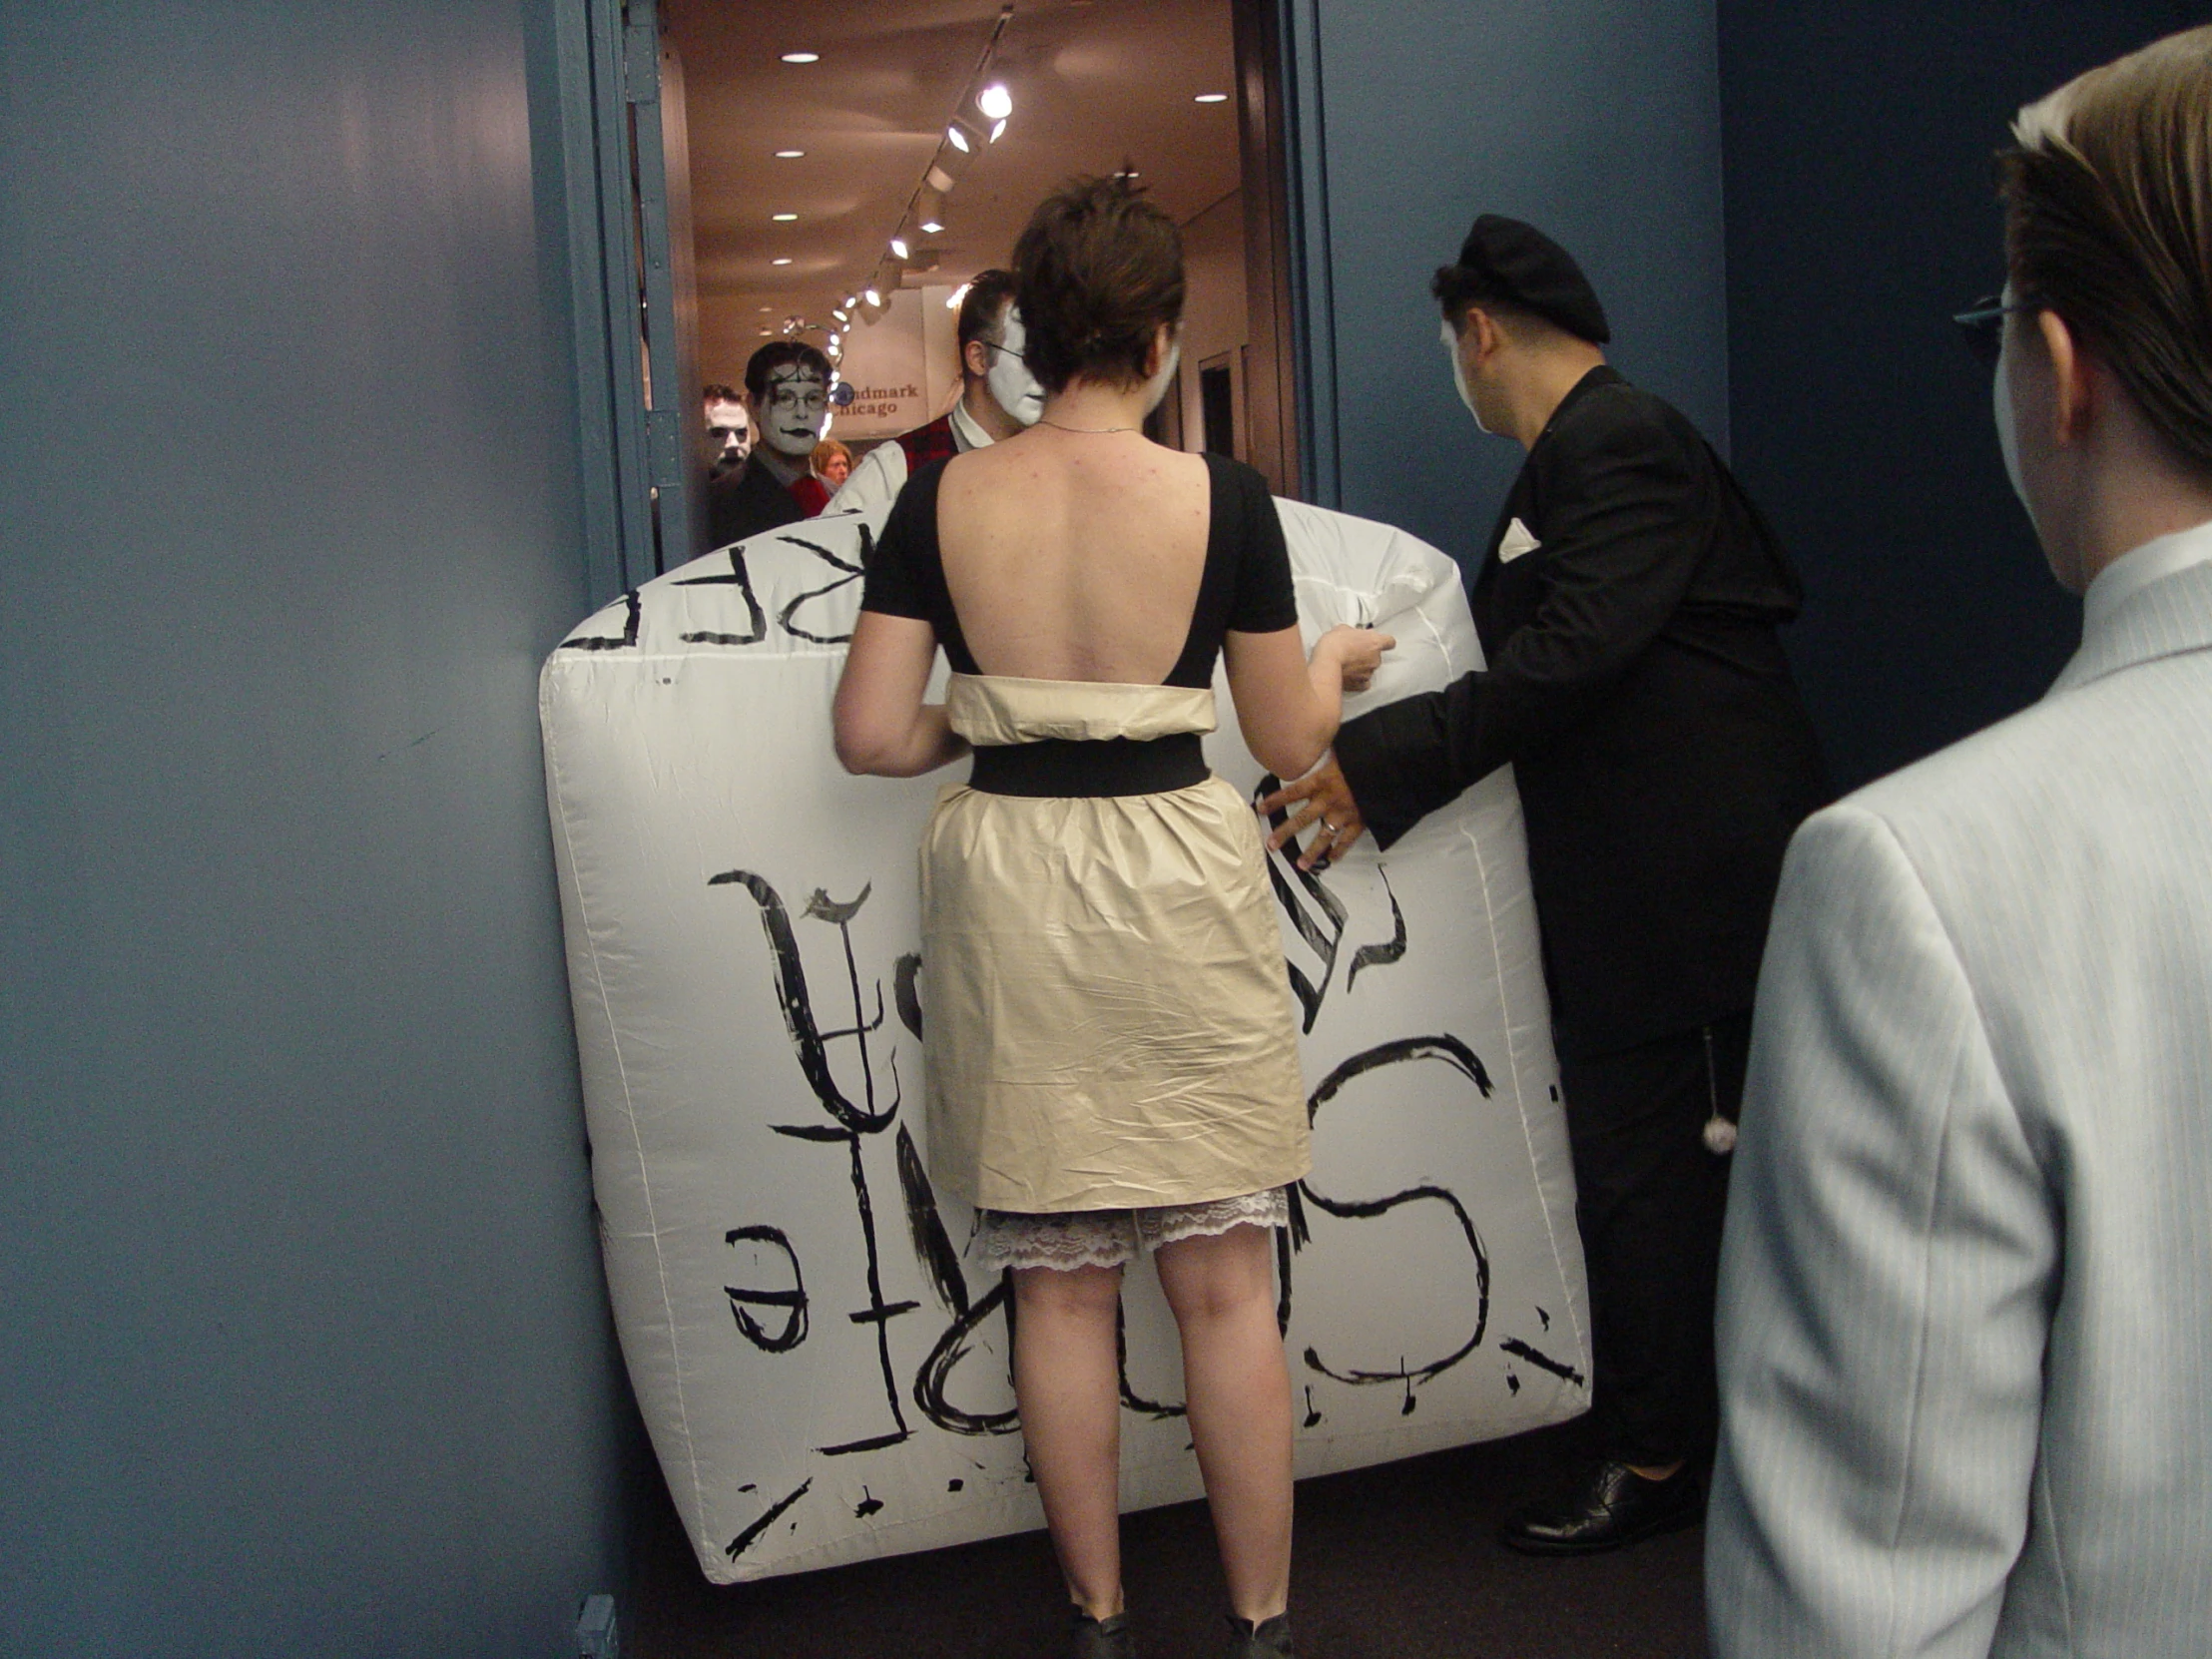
pixel 1515 542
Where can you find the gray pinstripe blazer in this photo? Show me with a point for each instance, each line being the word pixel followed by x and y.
pixel 1966 1330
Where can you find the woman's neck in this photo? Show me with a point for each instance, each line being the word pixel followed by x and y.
pixel 1095 406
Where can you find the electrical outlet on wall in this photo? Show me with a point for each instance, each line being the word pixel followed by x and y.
pixel 596 1634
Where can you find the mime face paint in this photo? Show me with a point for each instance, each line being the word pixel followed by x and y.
pixel 1012 385
pixel 792 411
pixel 1450 339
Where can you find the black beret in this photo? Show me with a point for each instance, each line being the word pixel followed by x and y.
pixel 1514 264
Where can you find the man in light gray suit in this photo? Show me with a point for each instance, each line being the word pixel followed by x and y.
pixel 1965 1328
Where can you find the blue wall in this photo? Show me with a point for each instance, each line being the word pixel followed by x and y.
pixel 306 1346
pixel 1596 121
pixel 1861 213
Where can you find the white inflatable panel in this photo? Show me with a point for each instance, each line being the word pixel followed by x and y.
pixel 824 1377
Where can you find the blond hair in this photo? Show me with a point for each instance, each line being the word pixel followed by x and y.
pixel 2108 198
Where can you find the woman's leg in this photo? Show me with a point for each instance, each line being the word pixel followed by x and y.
pixel 1067 1384
pixel 1221 1289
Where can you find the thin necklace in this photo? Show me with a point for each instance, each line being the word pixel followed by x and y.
pixel 1094 431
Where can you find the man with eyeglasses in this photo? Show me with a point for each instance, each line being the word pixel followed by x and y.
pixel 786 398
pixel 1965 1362
pixel 998 397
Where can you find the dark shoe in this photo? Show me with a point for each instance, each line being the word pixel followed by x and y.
pixel 1270 1639
pixel 1102 1638
pixel 1614 1506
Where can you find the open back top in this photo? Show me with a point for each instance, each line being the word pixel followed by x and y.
pixel 1245 584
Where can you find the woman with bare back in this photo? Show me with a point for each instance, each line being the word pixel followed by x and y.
pixel 1112 1056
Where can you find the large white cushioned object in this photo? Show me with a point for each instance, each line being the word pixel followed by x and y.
pixel 824 1377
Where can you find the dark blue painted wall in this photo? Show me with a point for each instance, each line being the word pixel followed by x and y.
pixel 1598 122
pixel 1861 214
pixel 306 1346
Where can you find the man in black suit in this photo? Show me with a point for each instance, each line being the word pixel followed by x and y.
pixel 1628 606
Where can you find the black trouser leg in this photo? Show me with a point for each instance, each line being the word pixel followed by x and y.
pixel 1649 1201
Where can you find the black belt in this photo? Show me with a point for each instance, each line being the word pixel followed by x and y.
pixel 1070 768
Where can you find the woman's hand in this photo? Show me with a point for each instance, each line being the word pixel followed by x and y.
pixel 1359 653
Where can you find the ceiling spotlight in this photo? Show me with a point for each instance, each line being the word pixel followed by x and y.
pixel 783 219
pixel 874 298
pixel 768 308
pixel 1211 98
pixel 957 138
pixel 898 246
pixel 789 155
pixel 996 101
pixel 930 227
pixel 802 56
pixel 841 315
pixel 850 300
pixel 998 130
pixel 778 262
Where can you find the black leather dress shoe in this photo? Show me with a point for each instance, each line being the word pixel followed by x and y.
pixel 1613 1506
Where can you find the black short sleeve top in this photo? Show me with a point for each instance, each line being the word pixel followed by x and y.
pixel 1245 585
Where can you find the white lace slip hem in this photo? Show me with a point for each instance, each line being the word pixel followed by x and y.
pixel 1114 1238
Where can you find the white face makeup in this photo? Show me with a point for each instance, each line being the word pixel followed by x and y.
pixel 1459 372
pixel 1013 387
pixel 793 411
pixel 1155 388
pixel 730 417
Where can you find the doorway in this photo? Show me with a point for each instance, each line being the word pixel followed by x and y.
pixel 837 171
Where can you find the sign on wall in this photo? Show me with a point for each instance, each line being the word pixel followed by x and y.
pixel 825 1372
pixel 903 367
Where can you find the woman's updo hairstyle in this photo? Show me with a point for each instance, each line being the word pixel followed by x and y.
pixel 1097 273
pixel 2108 199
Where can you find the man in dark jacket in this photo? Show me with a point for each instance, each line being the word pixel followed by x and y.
pixel 786 393
pixel 1628 605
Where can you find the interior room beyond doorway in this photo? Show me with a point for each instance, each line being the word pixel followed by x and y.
pixel 853 166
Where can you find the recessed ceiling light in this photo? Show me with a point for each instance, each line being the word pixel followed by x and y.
pixel 783 219
pixel 802 56
pixel 874 298
pixel 930 227
pixel 768 308
pixel 789 155
pixel 1211 98
pixel 898 246
pixel 778 262
pixel 958 139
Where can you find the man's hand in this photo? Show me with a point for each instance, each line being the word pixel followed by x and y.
pixel 1319 797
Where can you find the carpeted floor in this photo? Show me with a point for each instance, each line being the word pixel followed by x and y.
pixel 1395 1562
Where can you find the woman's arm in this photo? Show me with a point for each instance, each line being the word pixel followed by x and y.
pixel 1288 706
pixel 883 728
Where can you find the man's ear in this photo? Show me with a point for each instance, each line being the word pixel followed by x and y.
pixel 1487 336
pixel 2074 380
pixel 975 357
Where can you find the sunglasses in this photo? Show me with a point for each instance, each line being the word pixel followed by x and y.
pixel 1983 325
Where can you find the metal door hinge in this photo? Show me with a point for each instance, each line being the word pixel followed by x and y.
pixel 641 63
pixel 663 442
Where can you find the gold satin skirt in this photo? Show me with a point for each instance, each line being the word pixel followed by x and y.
pixel 1108 1023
